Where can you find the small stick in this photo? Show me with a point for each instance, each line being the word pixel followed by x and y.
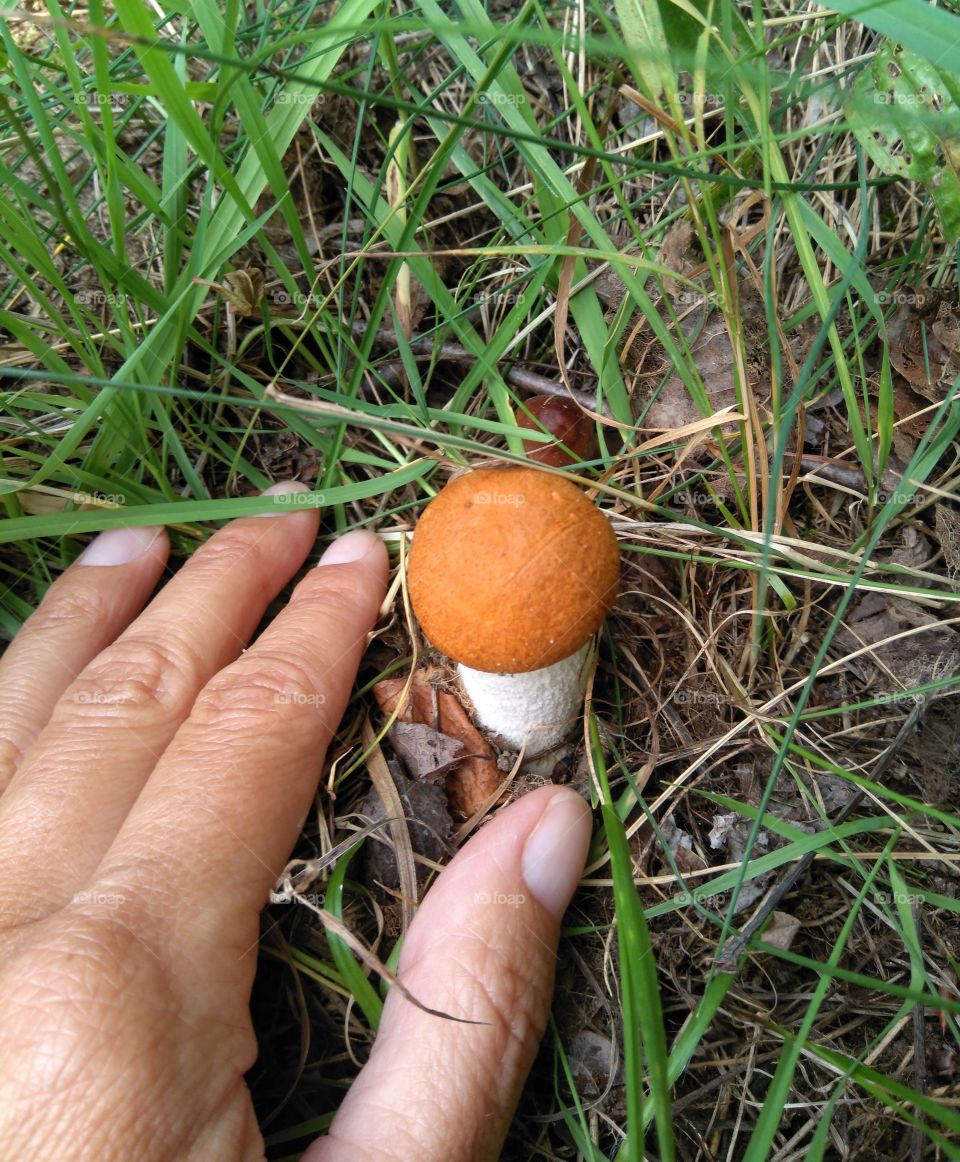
pixel 529 380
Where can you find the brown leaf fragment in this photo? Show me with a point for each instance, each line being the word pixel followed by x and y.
pixel 924 336
pixel 914 550
pixel 475 776
pixel 904 662
pixel 722 826
pixel 677 253
pixel 907 405
pixel 732 832
pixel 426 753
pixel 948 531
pixel 781 930
pixel 680 844
pixel 594 1063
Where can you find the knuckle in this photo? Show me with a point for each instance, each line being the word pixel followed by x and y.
pixel 227 550
pixel 258 685
pixel 323 590
pixel 11 758
pixel 136 674
pixel 512 1006
pixel 71 607
pixel 232 551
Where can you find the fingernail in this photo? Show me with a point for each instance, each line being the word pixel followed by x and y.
pixel 118 546
pixel 352 546
pixel 284 488
pixel 555 851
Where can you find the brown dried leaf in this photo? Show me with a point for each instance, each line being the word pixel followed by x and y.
pixel 594 1062
pixel 905 662
pixel 475 777
pixel 948 531
pixel 711 350
pixel 426 753
pixel 924 339
pixel 243 289
pixel 680 844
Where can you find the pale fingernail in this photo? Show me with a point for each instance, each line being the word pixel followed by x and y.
pixel 286 488
pixel 350 547
pixel 118 546
pixel 555 851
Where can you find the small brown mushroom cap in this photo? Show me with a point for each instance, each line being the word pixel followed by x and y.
pixel 512 569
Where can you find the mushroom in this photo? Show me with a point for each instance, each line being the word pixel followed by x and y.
pixel 512 572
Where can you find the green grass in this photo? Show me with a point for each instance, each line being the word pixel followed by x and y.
pixel 148 165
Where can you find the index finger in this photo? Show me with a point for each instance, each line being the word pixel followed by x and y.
pixel 225 803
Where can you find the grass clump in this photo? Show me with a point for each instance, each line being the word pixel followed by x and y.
pixel 344 244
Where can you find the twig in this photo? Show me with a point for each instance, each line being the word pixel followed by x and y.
pixel 427 345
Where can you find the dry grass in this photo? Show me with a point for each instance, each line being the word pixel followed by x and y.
pixel 777 685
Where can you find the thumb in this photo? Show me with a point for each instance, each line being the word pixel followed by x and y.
pixel 482 947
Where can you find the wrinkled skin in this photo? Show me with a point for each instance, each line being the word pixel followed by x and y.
pixel 153 779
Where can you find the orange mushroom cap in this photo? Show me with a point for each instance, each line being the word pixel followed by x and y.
pixel 512 569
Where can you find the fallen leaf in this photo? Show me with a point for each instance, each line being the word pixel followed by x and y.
pixel 924 344
pixel 948 531
pixel 475 777
pixel 722 826
pixel 594 1062
pixel 680 844
pixel 905 662
pixel 426 753
pixel 781 930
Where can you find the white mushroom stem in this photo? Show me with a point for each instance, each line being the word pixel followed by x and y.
pixel 536 710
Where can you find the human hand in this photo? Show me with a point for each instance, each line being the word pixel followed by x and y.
pixel 154 779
